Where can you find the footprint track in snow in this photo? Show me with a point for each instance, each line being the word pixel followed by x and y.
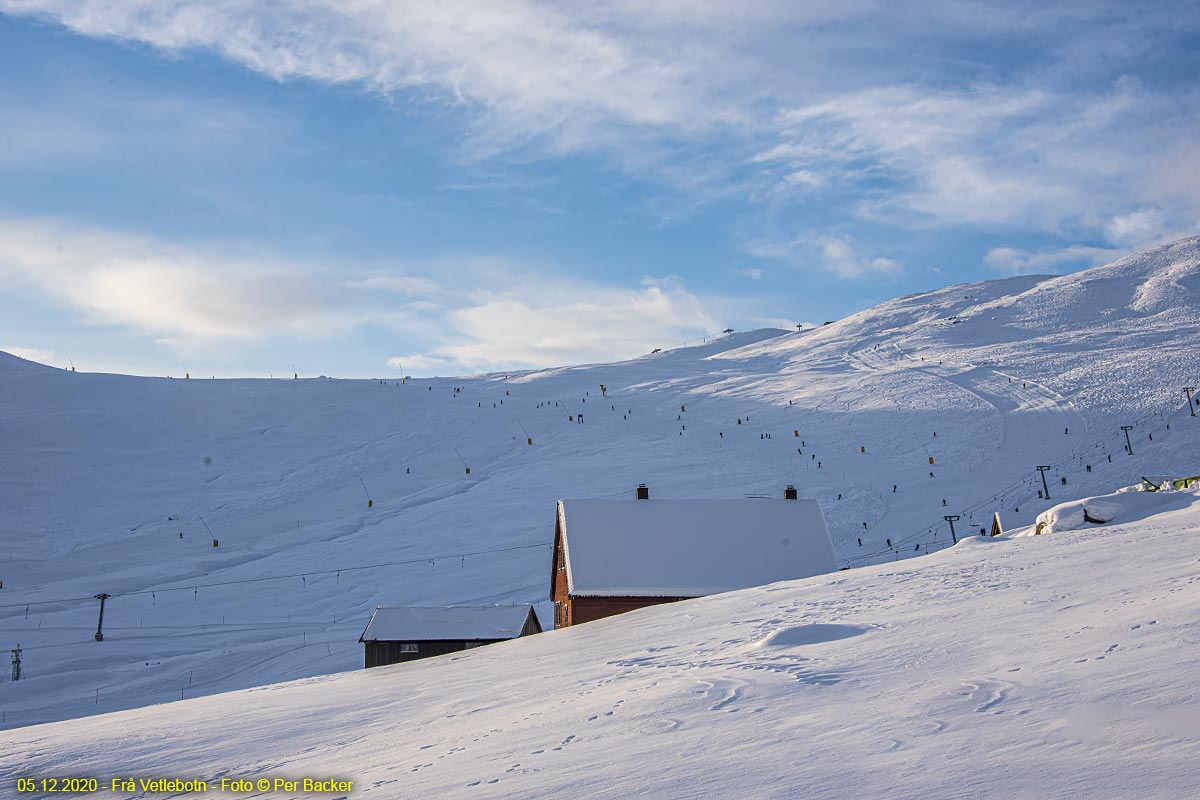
pixel 991 692
pixel 565 742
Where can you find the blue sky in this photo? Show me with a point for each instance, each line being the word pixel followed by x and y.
pixel 353 188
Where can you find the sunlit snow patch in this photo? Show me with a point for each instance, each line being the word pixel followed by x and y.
pixel 800 635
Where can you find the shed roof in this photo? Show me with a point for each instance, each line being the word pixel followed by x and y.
pixel 448 623
pixel 690 548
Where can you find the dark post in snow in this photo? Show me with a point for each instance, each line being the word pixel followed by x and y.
pixel 1128 444
pixel 951 518
pixel 16 663
pixel 1188 391
pixel 1042 470
pixel 99 625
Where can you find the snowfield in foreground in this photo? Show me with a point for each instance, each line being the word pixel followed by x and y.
pixel 1054 666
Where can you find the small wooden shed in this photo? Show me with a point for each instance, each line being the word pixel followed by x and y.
pixel 613 556
pixel 397 634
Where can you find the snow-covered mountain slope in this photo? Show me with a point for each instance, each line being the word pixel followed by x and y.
pixel 1110 339
pixel 101 474
pixel 1057 666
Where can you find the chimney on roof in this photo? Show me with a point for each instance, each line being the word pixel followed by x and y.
pixel 642 492
pixel 789 493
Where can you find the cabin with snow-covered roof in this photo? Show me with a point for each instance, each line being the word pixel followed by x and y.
pixel 405 634
pixel 613 556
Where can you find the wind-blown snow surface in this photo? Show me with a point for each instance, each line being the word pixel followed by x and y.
pixel 99 474
pixel 1057 666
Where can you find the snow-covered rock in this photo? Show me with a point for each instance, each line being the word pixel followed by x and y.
pixel 1123 504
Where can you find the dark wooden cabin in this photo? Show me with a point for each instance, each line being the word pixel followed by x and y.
pixel 397 634
pixel 613 556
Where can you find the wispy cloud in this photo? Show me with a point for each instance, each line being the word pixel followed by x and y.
pixel 534 323
pixel 529 68
pixel 984 154
pixel 840 255
pixel 1015 261
pixel 399 284
pixel 1140 226
pixel 856 104
pixel 115 278
pixel 820 125
pixel 1125 233
pixel 32 354
pixel 89 122
pixel 842 259
pixel 472 313
pixel 424 365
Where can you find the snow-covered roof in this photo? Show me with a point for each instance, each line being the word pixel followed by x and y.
pixel 690 548
pixel 454 623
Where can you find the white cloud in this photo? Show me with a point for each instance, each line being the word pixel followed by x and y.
pixel 780 322
pixel 30 353
pixel 399 284
pixel 1014 261
pixel 529 67
pixel 983 155
pixel 537 323
pixel 804 177
pixel 854 93
pixel 931 143
pixel 840 257
pixel 423 365
pixel 474 314
pixel 837 254
pixel 162 288
pixel 1136 227
pixel 753 273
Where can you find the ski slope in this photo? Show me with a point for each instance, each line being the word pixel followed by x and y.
pixel 100 474
pixel 1055 666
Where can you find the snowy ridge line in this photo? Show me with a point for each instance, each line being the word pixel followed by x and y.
pixel 980 506
pixel 706 339
pixel 424 560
